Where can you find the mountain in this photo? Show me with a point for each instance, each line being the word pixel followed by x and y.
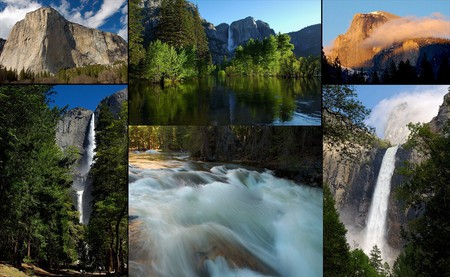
pixel 46 41
pixel 307 41
pixel 224 38
pixel 362 46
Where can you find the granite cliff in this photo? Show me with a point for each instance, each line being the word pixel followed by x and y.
pixel 353 182
pixel 359 46
pixel 45 41
pixel 307 41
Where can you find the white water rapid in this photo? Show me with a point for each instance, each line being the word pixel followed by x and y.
pixel 82 182
pixel 376 223
pixel 230 39
pixel 199 219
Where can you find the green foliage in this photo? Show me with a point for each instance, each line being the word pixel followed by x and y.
pixel 163 62
pixel 427 190
pixel 343 119
pixel 360 265
pixel 37 216
pixel 135 31
pixel 375 259
pixel 272 56
pixel 336 251
pixel 108 224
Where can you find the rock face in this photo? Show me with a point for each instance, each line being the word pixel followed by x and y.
pixel 2 44
pixel 72 128
pixel 224 38
pixel 354 53
pixel 348 47
pixel 307 41
pixel 434 49
pixel 438 122
pixel 45 41
pixel 114 102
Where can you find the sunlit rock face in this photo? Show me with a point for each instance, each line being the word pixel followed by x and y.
pixel 45 41
pixel 348 47
pixel 371 43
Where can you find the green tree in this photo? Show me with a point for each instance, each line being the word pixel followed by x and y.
pixel 336 256
pixel 375 259
pixel 428 236
pixel 107 228
pixel 343 118
pixel 135 30
pixel 38 220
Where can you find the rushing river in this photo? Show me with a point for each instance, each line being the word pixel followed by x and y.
pixel 200 219
pixel 228 101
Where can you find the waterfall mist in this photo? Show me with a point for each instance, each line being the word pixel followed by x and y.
pixel 193 219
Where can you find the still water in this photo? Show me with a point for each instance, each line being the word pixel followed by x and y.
pixel 228 101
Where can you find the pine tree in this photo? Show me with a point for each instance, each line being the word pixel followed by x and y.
pixel 375 259
pixel 136 29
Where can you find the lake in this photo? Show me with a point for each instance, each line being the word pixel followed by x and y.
pixel 228 101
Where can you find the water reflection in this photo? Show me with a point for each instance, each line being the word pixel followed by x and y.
pixel 223 101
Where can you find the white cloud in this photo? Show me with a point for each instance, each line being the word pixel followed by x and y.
pixel 13 12
pixel 422 104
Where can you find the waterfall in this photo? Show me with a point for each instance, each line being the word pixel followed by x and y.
pixel 230 39
pixel 81 184
pixel 376 223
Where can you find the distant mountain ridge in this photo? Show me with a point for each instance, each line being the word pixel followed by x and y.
pixel 46 41
pixel 307 41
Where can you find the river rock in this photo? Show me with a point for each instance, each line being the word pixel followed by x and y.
pixel 45 41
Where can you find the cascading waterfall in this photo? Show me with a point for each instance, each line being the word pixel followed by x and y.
pixel 230 39
pixel 82 181
pixel 195 219
pixel 376 223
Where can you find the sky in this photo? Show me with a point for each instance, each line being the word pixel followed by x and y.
pixel 338 14
pixel 83 96
pixel 423 102
pixel 283 16
pixel 106 15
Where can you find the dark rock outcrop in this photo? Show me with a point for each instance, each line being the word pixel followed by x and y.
pixel 45 41
pixel 113 102
pixel 307 41
pixel 2 44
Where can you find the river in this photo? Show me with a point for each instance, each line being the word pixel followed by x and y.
pixel 191 218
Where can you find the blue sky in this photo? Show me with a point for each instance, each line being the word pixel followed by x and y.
pixel 423 101
pixel 283 15
pixel 84 96
pixel 337 14
pixel 106 15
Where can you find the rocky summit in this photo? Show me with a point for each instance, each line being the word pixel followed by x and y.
pixel 355 52
pixel 46 41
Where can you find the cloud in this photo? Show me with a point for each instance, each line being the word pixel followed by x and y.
pixel 400 29
pixel 13 12
pixel 420 104
pixel 95 19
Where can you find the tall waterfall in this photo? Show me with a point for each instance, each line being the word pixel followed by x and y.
pixel 376 224
pixel 82 182
pixel 230 39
